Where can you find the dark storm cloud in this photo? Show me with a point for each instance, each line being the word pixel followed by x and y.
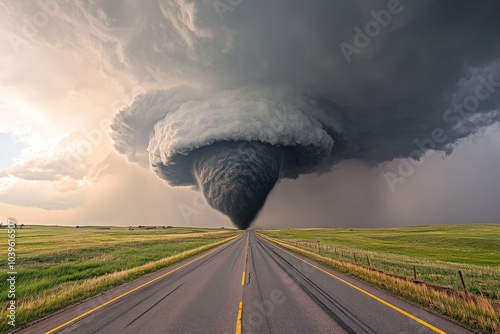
pixel 278 73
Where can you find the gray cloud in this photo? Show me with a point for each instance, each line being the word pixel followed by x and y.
pixel 427 80
pixel 274 72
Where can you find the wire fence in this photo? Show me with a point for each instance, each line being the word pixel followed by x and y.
pixel 480 280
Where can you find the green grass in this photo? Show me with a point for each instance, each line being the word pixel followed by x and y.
pixel 437 252
pixel 477 244
pixel 76 263
pixel 477 312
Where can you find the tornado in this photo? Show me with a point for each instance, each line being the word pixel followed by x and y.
pixel 233 146
pixel 234 112
pixel 236 177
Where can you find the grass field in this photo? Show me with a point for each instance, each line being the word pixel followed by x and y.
pixel 438 252
pixel 58 266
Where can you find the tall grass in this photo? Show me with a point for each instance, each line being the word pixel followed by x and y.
pixel 475 311
pixel 59 266
pixel 436 252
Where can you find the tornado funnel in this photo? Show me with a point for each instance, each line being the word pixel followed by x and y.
pixel 236 177
pixel 232 147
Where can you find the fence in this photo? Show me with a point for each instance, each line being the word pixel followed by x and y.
pixel 481 280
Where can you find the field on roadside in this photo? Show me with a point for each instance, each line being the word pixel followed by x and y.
pixel 58 266
pixel 436 252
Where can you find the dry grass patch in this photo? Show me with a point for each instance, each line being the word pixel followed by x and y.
pixel 53 273
pixel 477 312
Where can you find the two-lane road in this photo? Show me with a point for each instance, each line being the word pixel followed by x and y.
pixel 245 286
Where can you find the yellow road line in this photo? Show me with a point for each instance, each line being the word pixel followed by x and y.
pixel 240 307
pixel 123 295
pixel 411 316
pixel 246 254
pixel 238 321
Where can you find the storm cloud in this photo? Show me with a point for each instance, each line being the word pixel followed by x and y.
pixel 268 90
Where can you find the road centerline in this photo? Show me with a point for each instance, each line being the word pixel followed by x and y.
pixel 240 316
pixel 83 315
pixel 243 276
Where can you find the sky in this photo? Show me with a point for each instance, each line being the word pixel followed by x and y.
pixel 10 149
pixel 77 143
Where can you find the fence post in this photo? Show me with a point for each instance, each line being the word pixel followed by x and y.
pixel 414 273
pixel 355 260
pixel 342 255
pixel 368 260
pixel 318 247
pixel 462 280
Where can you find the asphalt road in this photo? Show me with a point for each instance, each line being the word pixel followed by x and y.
pixel 246 286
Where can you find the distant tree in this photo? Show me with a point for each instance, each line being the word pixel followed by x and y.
pixel 22 225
